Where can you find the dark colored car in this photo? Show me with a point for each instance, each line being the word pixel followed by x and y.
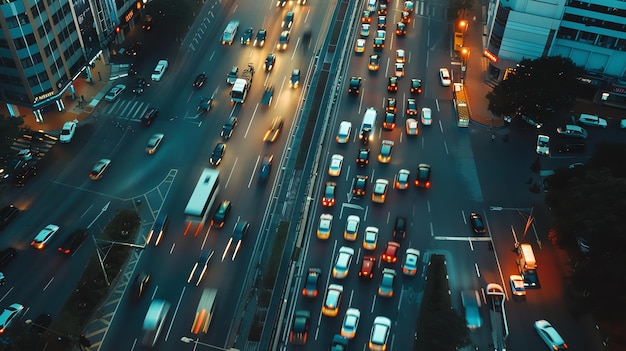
pixel 260 38
pixel 200 267
pixel 13 167
pixel 389 123
pixel 312 283
pixel 330 193
pixel 149 117
pixel 268 94
pixel 24 176
pixel 266 168
pixel 41 323
pixel 572 147
pixel 400 29
pixel 220 216
pixel 360 186
pixel 246 38
pixel 139 286
pixel 199 81
pixel 300 329
pixel 228 127
pixel 399 229
pixel 423 176
pixel 392 84
pixel 134 48
pixel 6 256
pixel 476 221
pixel 367 267
pixel 218 154
pixel 7 215
pixel 355 86
pixel 288 21
pixel 416 86
pixel 140 87
pixel 363 158
pixel 73 241
pixel 241 230
pixel 390 105
pixel 274 130
pixel 159 228
pixel 270 61
pixel 295 78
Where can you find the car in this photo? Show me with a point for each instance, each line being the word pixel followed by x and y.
pixel 218 154
pixel 389 123
pixel 73 241
pixel 343 135
pixel 411 259
pixel 266 168
pixel 381 328
pixel 495 297
pixel 572 131
pixel 220 216
pixel 283 41
pixel 288 20
pixel 232 76
pixel 399 69
pixel 416 86
pixel 44 236
pixel 354 87
pixel 228 127
pixel 379 40
pixel 41 323
pixel 427 118
pixel 366 17
pixel 140 86
pixel 380 191
pixel 444 77
pixel 8 315
pixel 531 121
pixel 350 323
pixel 149 116
pixel 13 167
pixel 370 238
pixel 412 127
pixel 22 177
pixel 543 144
pixel 390 105
pixel 400 56
pixel 204 104
pixel 332 300
pixel 342 264
pixel 336 161
pixel 400 29
pixel 326 223
pixel 268 94
pixel 134 48
pixel 592 120
pixel 246 38
pixel 402 179
pixel 367 267
pixel 139 285
pixel 406 17
pixel 200 267
pixel 574 147
pixel 476 221
pixel 423 175
pixel 114 92
pixel 382 22
pixel 390 254
pixel 259 40
pixel 281 3
pixel 329 194
pixel 374 64
pixel 363 157
pixel 300 328
pixel 7 215
pixel 270 61
pixel 98 169
pixel 153 143
pixel 199 81
pixel 399 228
pixel 392 84
pixel 359 47
pixel 67 133
pixel 312 283
pixel 411 107
pixel 365 29
pixel 294 82
pixel 158 228
pixel 352 227
pixel 386 149
pixel 550 336
pixel 274 130
pixel 517 285
pixel 408 6
pixel 360 186
pixel 6 256
pixel 385 288
pixel 382 9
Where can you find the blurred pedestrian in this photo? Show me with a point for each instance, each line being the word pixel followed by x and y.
pixel 493 138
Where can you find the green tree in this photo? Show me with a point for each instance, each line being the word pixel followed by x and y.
pixel 536 88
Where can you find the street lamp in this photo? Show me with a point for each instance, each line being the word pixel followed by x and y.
pixel 465 52
pixel 81 341
pixel 463 25
pixel 197 342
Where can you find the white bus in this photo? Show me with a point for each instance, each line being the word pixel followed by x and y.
pixel 204 313
pixel 202 198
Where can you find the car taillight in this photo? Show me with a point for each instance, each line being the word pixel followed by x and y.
pixel 428 184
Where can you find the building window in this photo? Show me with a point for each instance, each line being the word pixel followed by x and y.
pixel 621 45
pixel 606 41
pixel 586 37
pixel 566 33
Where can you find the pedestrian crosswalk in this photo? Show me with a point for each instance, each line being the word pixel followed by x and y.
pixel 431 9
pixel 131 110
pixel 32 146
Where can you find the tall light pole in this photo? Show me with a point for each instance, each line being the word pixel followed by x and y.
pixel 197 342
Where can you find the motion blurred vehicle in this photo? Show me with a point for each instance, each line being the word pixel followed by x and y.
pixel 294 82
pixel 283 41
pixel 139 285
pixel 266 168
pixel 268 95
pixel 288 20
pixel 73 241
pixel 260 38
pixel 220 216
pixel 218 154
pixel 270 60
pixel 228 127
pixel 154 143
pixel 549 335
pixel 246 38
pixel 199 81
pixel 300 328
pixel 399 228
pixel 274 130
pixel 232 76
pixel 312 283
pixel 200 267
pixel 44 236
pixel 99 168
pixel 149 117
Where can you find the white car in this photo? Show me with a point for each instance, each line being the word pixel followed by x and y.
pixel 370 239
pixel 517 285
pixel 332 300
pixel 400 56
pixel 153 143
pixel 352 227
pixel 550 336
pixel 360 46
pixel 8 315
pixel 350 323
pixel 326 223
pixel 380 333
pixel 402 179
pixel 543 144
pixel 336 161
pixel 411 127
pixel 115 92
pixel 411 258
pixel 343 136
pixel 42 238
pixel 365 29
pixel 592 120
pixel 342 265
pixel 380 191
pixel 399 71
pixel 99 168
pixel 427 118
pixel 67 133
pixel 444 77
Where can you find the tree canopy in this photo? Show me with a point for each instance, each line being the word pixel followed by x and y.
pixel 536 88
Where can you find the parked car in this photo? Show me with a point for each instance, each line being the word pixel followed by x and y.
pixel 592 120
pixel 476 221
pixel 114 93
pixel 572 131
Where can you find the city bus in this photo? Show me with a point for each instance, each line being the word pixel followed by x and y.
pixel 460 102
pixel 202 199
pixel 205 311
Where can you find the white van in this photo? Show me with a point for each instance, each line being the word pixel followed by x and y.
pixel 368 126
pixel 159 70
pixel 343 136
